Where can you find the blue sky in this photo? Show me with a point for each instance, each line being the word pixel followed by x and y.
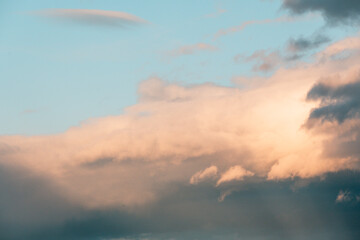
pixel 57 73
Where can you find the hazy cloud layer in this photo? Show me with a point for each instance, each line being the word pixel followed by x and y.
pixel 334 11
pixel 186 212
pixel 92 17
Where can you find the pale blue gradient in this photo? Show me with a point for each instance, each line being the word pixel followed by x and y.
pixel 55 74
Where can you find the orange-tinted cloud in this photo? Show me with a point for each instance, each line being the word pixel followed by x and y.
pixel 175 131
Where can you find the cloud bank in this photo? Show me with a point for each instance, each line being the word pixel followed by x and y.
pixel 175 132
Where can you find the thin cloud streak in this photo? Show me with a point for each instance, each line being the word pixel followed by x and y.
pixel 192 49
pixel 92 16
pixel 241 27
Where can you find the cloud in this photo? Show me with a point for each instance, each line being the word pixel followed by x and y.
pixel 209 172
pixel 183 212
pixel 343 196
pixel 93 17
pixel 175 130
pixel 334 11
pixel 268 61
pixel 234 173
pixel 337 115
pixel 338 103
pixel 241 27
pixel 192 49
pixel 303 44
pixel 265 61
pixel 219 11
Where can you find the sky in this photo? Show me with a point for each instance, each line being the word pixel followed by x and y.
pixel 180 119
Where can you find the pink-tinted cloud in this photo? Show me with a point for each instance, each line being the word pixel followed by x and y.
pixel 192 49
pixel 92 16
pixel 175 131
pixel 234 173
pixel 207 173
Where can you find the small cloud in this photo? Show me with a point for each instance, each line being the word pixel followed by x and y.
pixel 344 196
pixel 303 44
pixel 29 111
pixel 239 28
pixel 92 16
pixel 218 12
pixel 207 173
pixel 223 195
pixel 192 49
pixel 265 61
pixel 234 173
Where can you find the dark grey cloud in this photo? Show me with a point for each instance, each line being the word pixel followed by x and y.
pixel 304 44
pixel 338 103
pixel 33 208
pixel 334 11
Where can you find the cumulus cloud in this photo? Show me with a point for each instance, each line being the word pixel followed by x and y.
pixel 334 11
pixel 92 16
pixel 174 129
pixel 192 49
pixel 234 173
pixel 207 173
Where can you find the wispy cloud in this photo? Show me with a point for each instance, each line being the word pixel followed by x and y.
pixel 92 16
pixel 238 28
pixel 192 49
pixel 303 44
pixel 219 11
